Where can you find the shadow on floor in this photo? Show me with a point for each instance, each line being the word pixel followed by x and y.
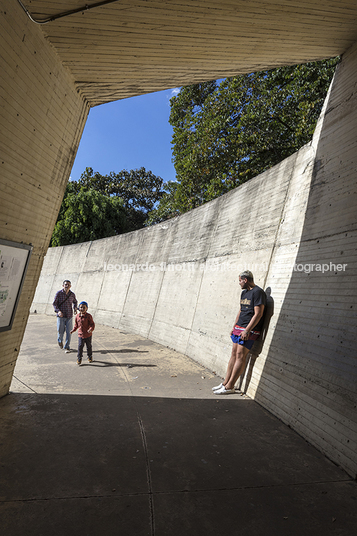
pixel 108 465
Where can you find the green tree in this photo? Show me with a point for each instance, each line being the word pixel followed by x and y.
pixel 139 189
pixel 227 133
pixel 98 205
pixel 167 206
pixel 87 214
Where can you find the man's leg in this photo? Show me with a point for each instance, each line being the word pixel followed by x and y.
pixel 60 330
pixel 68 324
pixel 231 363
pixel 240 358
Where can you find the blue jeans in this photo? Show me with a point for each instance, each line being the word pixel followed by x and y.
pixel 64 324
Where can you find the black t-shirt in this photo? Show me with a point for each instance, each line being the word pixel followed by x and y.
pixel 248 300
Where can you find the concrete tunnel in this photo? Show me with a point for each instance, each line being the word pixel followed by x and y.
pixel 56 65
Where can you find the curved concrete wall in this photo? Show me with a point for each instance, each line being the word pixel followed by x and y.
pixel 177 282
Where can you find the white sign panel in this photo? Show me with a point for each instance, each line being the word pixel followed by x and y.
pixel 14 259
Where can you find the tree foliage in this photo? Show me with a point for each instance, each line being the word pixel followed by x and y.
pixel 98 205
pixel 227 133
pixel 139 189
pixel 223 135
pixel 88 215
pixel 166 208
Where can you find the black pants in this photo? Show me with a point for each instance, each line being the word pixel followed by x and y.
pixel 81 342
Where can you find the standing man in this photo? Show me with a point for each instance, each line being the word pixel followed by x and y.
pixel 65 304
pixel 249 317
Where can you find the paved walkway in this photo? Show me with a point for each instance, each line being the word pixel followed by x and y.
pixel 137 444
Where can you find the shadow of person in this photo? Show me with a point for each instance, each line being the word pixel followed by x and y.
pixel 257 348
pixel 121 351
pixel 102 364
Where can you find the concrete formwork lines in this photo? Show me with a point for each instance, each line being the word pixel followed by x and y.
pixel 156 303
pixel 210 253
pixel 41 114
pixel 281 219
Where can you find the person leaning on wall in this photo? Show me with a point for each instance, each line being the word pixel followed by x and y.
pixel 246 330
pixel 65 304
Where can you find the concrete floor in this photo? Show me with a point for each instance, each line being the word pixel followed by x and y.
pixel 137 444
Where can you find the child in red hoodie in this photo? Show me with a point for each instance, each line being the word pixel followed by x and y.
pixel 85 325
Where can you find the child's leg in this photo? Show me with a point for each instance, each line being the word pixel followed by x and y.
pixel 80 349
pixel 89 347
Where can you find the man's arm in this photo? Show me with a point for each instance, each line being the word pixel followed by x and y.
pixel 55 303
pixel 236 320
pixel 75 303
pixel 258 313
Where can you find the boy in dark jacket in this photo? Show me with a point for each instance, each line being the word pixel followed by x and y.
pixel 85 325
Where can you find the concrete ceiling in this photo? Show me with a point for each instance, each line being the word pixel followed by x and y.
pixel 132 47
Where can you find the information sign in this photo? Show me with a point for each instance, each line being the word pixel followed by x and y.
pixel 14 259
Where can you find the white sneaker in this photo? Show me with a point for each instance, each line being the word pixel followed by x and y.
pixel 224 391
pixel 217 387
pixel 67 351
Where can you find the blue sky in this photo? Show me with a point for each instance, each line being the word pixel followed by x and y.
pixel 128 134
